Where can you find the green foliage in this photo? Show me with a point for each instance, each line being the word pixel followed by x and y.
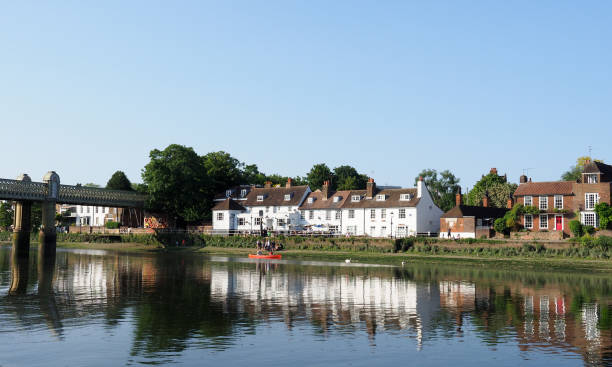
pixel 499 225
pixel 442 188
pixel 347 178
pixel 178 184
pixel 495 187
pixel 223 171
pixel 111 225
pixel 576 228
pixel 318 174
pixel 6 215
pixel 509 222
pixel 529 209
pixel 575 172
pixel 119 181
pixel 604 213
pixel 590 230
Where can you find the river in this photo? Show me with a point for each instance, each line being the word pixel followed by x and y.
pixel 105 308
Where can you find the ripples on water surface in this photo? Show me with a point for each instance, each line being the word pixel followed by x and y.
pixel 105 308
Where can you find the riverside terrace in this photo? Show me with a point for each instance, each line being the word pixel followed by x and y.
pixel 49 192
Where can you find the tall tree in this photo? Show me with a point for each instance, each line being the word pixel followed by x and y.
pixel 347 178
pixel 252 176
pixel 178 184
pixel 6 215
pixel 575 172
pixel 442 188
pixel 318 174
pixel 223 170
pixel 495 187
pixel 119 181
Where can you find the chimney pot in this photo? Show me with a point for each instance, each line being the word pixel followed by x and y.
pixel 485 202
pixel 509 203
pixel 289 182
pixel 493 171
pixel 268 184
pixel 523 179
pixel 370 188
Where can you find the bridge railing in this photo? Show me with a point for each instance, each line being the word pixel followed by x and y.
pixel 22 190
pixel 101 197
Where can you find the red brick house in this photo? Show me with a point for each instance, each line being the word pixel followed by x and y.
pixel 559 202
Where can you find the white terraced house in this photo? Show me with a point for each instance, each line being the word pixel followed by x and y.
pixel 386 212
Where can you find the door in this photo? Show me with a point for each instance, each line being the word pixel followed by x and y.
pixel 558 223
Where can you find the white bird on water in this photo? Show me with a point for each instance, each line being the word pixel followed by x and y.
pixel 348 261
pixel 403 263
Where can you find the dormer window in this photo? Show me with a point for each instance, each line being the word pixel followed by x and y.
pixel 260 197
pixel 337 199
pixel 310 200
pixel 405 197
pixel 243 193
pixel 381 197
pixel 355 198
pixel 287 197
pixel 228 193
pixel 591 178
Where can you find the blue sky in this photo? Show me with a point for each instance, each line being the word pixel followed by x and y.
pixel 388 87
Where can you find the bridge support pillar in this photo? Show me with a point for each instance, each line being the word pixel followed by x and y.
pixel 48 236
pixel 21 229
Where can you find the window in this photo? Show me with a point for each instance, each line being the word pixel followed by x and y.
pixel 267 209
pixel 591 178
pixel 302 215
pixel 405 197
pixel 351 214
pixel 310 200
pixel 543 221
pixel 479 222
pixel 228 193
pixel 338 214
pixel 274 209
pixel 590 200
pixel 241 221
pixel 355 198
pixel 383 231
pixel 351 229
pixel 260 197
pixel 287 197
pixel 311 214
pixel 88 208
pixel 258 221
pixel 337 199
pixel 96 208
pixel 372 213
pixel 528 221
pixel 219 216
pixel 243 193
pixel 261 213
pixel 372 230
pixel 281 222
pixel 328 215
pixel 558 201
pixel 383 213
pixel 333 229
pixel 288 221
pixel 402 213
pixel 543 202
pixel 381 197
pixel 589 219
pixel 528 200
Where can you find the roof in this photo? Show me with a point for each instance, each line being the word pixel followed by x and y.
pixel 598 167
pixel 545 188
pixel 460 211
pixel 228 204
pixel 275 196
pixel 235 192
pixel 392 199
pixel 319 203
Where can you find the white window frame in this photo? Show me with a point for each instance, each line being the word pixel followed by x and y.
pixel 595 197
pixel 381 197
pixel 228 193
pixel 243 193
pixel 530 226
pixel 530 200
pixel 338 214
pixel 589 214
pixel 351 214
pixel 557 198
pixel 337 199
pixel 544 201
pixel 355 198
pixel 372 230
pixel 311 214
pixel 287 197
pixel 401 213
pixel 591 178
pixel 258 221
pixel 351 229
pixel 405 197
pixel 219 215
pixel 328 215
pixel 241 221
pixel 383 214
pixel 260 198
pixel 372 213
pixel 310 200
pixel 545 222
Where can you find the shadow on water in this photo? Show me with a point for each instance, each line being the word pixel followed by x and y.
pixel 177 303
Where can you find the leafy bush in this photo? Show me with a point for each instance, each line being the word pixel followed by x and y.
pixel 111 225
pixel 499 225
pixel 604 212
pixel 590 230
pixel 576 228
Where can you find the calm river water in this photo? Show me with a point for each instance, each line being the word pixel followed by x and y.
pixel 99 308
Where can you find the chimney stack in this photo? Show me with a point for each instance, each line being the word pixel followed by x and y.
pixel 485 201
pixel 509 203
pixel 289 182
pixel 325 190
pixel 370 188
pixel 268 184
pixel 523 179
pixel 458 197
pixel 493 171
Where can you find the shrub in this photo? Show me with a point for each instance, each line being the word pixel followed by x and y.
pixel 499 225
pixel 111 225
pixel 590 230
pixel 576 228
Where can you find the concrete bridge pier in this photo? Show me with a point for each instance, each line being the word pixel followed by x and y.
pixel 47 238
pixel 22 225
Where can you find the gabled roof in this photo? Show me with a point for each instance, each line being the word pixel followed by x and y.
pixel 228 204
pixel 235 192
pixel 392 199
pixel 545 188
pixel 460 211
pixel 319 203
pixel 275 196
pixel 598 167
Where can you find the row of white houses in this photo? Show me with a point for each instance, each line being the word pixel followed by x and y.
pixel 383 212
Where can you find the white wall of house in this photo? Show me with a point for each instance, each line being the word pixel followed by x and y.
pixel 225 220
pixel 391 224
pixel 428 219
pixel 274 218
pixel 87 215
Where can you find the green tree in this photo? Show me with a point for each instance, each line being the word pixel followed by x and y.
pixel 495 187
pixel 575 172
pixel 252 176
pixel 119 181
pixel 36 216
pixel 178 185
pixel 223 170
pixel 318 174
pixel 6 215
pixel 347 178
pixel 442 188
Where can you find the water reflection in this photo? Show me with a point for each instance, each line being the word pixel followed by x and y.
pixel 175 304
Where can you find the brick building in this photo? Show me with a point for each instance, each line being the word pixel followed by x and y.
pixel 466 221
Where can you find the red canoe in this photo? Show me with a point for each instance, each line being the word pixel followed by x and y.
pixel 254 256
